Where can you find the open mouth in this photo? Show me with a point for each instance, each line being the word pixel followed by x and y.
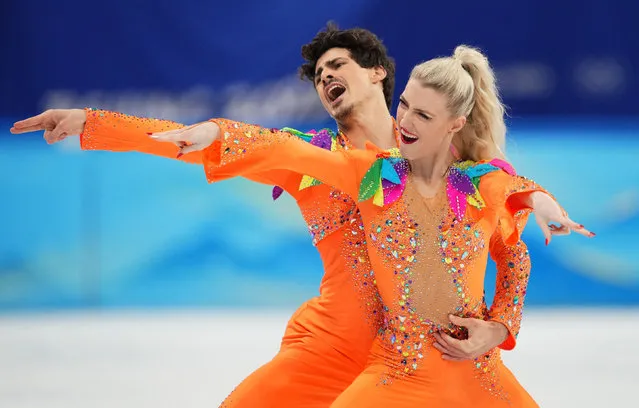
pixel 333 92
pixel 407 137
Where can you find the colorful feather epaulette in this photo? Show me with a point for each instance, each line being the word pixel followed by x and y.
pixel 385 180
pixel 462 183
pixel 324 138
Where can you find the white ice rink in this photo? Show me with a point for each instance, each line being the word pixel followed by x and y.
pixel 565 359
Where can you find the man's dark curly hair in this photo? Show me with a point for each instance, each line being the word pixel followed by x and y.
pixel 365 49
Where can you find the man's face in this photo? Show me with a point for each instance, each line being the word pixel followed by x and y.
pixel 342 85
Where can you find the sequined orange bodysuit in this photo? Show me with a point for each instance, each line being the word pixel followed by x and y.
pixel 428 257
pixel 327 340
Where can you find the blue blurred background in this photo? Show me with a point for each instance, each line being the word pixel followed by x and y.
pixel 106 230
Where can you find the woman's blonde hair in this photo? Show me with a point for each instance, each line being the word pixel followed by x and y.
pixel 468 81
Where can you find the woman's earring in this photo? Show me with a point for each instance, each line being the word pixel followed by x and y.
pixel 454 151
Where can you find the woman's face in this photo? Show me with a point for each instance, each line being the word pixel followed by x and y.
pixel 425 122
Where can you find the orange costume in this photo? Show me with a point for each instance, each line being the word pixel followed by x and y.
pixel 328 339
pixel 428 257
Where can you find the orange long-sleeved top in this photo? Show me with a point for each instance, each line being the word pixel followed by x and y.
pixel 428 257
pixel 346 314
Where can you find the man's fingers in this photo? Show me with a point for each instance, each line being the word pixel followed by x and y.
pixel 61 136
pixel 47 136
pixel 55 135
pixel 450 342
pixel 27 129
pixel 58 134
pixel 439 341
pixel 448 350
pixel 440 347
pixel 461 321
pixel 453 358
pixel 37 120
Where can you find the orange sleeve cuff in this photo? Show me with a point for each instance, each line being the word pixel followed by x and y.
pixel 242 150
pixel 118 132
pixel 515 212
pixel 509 343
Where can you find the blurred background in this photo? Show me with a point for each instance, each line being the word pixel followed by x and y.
pixel 126 279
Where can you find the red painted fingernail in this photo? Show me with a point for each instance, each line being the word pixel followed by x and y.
pixel 592 234
pixel 581 226
pixel 547 241
pixel 179 155
pixel 149 133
